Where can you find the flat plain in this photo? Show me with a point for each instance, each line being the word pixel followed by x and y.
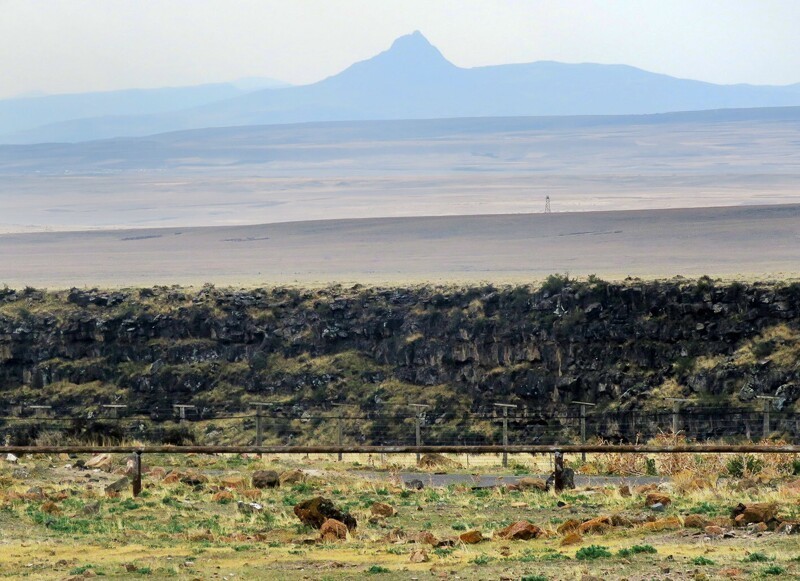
pixel 732 242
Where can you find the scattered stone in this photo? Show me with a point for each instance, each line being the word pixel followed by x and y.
pixel 249 507
pixel 35 493
pixel 657 507
pixel 90 508
pixel 118 486
pixel 654 498
pixel 645 488
pixel 572 538
pixel 471 537
pixel 332 530
pixel 382 509
pixel 100 462
pixel 223 496
pixel 519 505
pixel 419 556
pixel 427 538
pixel 294 476
pixel 194 479
pixel 267 479
pixel 415 484
pixel 522 530
pixel 172 478
pixel 11 459
pixel 695 521
pixel 714 531
pixel 315 511
pixel 235 482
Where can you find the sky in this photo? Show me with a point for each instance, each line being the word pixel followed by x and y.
pixel 60 46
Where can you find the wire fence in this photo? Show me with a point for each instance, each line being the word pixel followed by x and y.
pixel 273 425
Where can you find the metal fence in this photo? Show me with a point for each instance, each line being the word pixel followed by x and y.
pixel 274 425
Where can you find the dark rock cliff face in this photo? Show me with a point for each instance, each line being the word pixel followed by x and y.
pixel 622 346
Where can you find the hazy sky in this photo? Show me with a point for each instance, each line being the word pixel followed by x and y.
pixel 81 45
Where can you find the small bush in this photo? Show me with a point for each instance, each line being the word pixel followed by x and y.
pixel 377 570
pixel 637 549
pixel 702 561
pixel 459 526
pixel 481 560
pixel 534 578
pixel 774 570
pixel 592 552
pixel 758 558
pixel 742 464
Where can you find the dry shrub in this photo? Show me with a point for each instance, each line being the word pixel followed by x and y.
pixel 615 463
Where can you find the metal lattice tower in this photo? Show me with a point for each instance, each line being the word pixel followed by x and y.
pixel 547 204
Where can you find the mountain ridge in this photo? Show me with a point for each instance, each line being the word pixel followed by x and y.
pixel 413 80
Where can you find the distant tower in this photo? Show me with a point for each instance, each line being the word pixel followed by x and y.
pixel 547 205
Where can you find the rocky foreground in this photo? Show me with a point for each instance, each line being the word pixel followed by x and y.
pixel 622 346
pixel 228 517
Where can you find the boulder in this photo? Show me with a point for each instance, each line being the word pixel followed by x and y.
pixel 267 479
pixel 471 537
pixel 294 476
pixel 619 520
pixel 382 509
pixel 332 530
pixel 415 484
pixel 756 512
pixel 118 486
pixel 571 539
pixel 521 530
pixel 315 511
pixel 419 556
pixel 235 482
pixel 249 507
pixel 100 462
pixel 714 531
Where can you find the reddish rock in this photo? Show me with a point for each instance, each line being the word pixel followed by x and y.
pixel 619 520
pixel 596 525
pixel 419 556
pixel 571 539
pixel 657 498
pixel 471 537
pixel 223 496
pixel 382 509
pixel 427 538
pixel 315 511
pixel 756 512
pixel 695 521
pixel 568 526
pixel 50 507
pixel 266 479
pixel 624 491
pixel 714 531
pixel 522 530
pixel 528 483
pixel 332 530
pixel 669 523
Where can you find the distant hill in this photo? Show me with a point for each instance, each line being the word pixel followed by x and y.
pixel 23 114
pixel 412 80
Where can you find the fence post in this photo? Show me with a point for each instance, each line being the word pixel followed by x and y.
pixel 505 407
pixel 583 405
pixel 767 402
pixel 137 473
pixel 419 408
pixel 340 428
pixel 559 471
pixel 676 412
pixel 114 408
pixel 182 407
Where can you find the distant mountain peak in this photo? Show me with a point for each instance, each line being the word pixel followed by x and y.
pixel 414 46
